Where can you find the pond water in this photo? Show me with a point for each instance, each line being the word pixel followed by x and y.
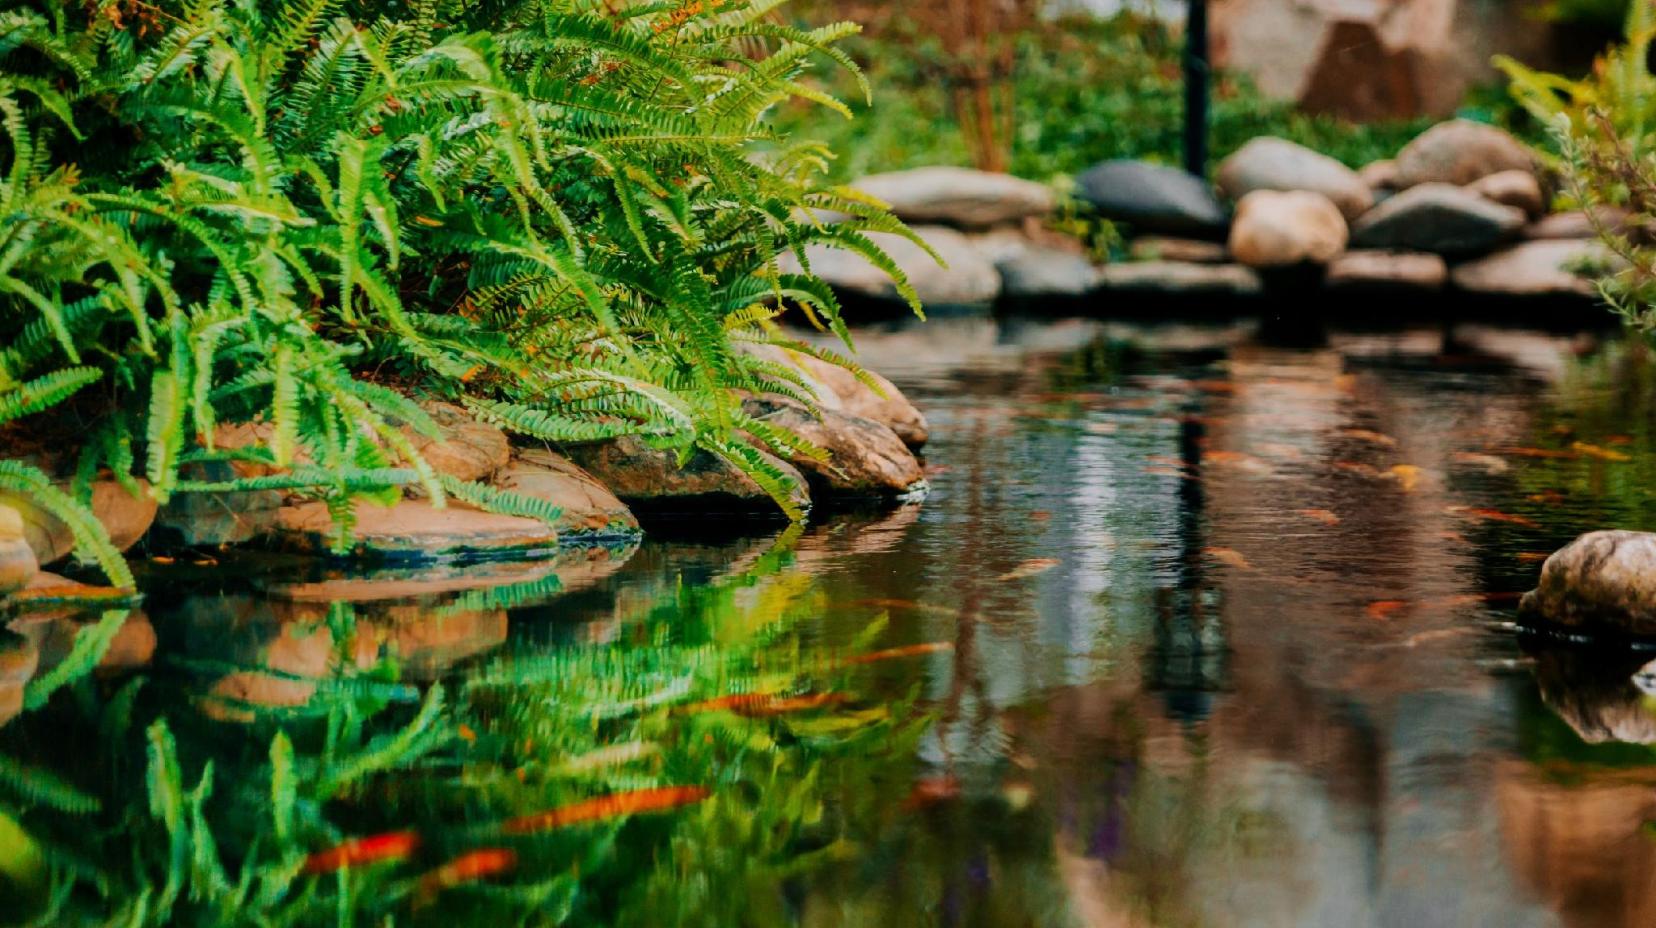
pixel 1202 625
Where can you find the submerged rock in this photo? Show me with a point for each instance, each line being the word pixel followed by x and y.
pixel 966 278
pixel 650 479
pixel 1602 581
pixel 1439 218
pixel 1387 270
pixel 18 564
pixel 958 196
pixel 1267 163
pixel 1459 152
pixel 1153 198
pixel 414 529
pixel 866 460
pixel 1542 268
pixel 589 510
pixel 1275 228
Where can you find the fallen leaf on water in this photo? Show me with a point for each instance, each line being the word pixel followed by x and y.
pixel 1381 610
pixel 1372 437
pixel 1228 556
pixel 1531 557
pixel 394 845
pixel 1492 515
pixel 467 868
pixel 1406 475
pixel 1603 454
pixel 909 650
pixel 1324 516
pixel 1029 568
pixel 615 805
pixel 1488 462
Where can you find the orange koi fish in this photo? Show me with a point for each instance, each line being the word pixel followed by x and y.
pixel 394 845
pixel 615 805
pixel 1229 557
pixel 1324 516
pixel 1495 515
pixel 1029 568
pixel 911 650
pixel 1603 454
pixel 467 868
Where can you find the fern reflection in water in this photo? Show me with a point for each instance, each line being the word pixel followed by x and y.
pixel 677 775
pixel 301 213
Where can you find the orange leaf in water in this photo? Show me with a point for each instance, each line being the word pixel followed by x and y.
pixel 1029 568
pixel 911 650
pixel 467 868
pixel 1324 516
pixel 602 808
pixel 1550 453
pixel 394 845
pixel 1406 475
pixel 1531 557
pixel 1381 610
pixel 1603 454
pixel 1493 515
pixel 1489 462
pixel 1372 437
pixel 1229 557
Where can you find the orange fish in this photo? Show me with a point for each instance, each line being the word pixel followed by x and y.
pixel 1603 454
pixel 1550 497
pixel 1535 452
pixel 1489 462
pixel 760 704
pixel 1495 515
pixel 1357 467
pixel 1372 437
pixel 1228 556
pixel 930 791
pixel 1406 475
pixel 1531 557
pixel 1236 459
pixel 1324 516
pixel 467 868
pixel 1029 568
pixel 395 845
pixel 655 799
pixel 1381 610
pixel 909 650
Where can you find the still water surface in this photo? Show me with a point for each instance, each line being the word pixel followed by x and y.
pixel 1199 627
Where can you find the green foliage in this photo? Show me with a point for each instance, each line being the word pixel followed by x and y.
pixel 300 212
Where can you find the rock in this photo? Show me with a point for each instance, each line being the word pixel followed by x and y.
pixel 866 460
pixel 1439 218
pixel 968 280
pixel 1578 224
pixel 52 611
pixel 650 479
pixel 1186 250
pixel 1380 175
pixel 468 450
pixel 1035 270
pixel 837 388
pixel 958 196
pixel 1276 228
pixel 590 511
pixel 1277 164
pixel 1459 152
pixel 1153 198
pixel 1180 277
pixel 1387 270
pixel 18 661
pixel 199 520
pixel 18 564
pixel 1517 189
pixel 125 517
pixel 416 530
pixel 1602 581
pixel 426 642
pixel 1603 694
pixel 1540 268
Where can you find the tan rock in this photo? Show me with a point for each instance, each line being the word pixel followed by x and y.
pixel 125 516
pixel 589 508
pixel 865 460
pixel 1602 580
pixel 958 196
pixel 1459 152
pixel 1579 224
pixel 1267 163
pixel 18 564
pixel 1380 175
pixel 416 529
pixel 1386 270
pixel 839 389
pixel 18 661
pixel 468 450
pixel 966 277
pixel 1181 277
pixel 1541 268
pixel 1281 228
pixel 649 478
pixel 1518 189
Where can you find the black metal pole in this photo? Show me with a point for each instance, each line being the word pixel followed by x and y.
pixel 1196 70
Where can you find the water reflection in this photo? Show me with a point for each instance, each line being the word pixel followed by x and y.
pixel 1200 627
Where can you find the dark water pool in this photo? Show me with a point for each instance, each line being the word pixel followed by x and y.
pixel 1201 626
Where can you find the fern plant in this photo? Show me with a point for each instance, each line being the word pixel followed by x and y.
pixel 305 212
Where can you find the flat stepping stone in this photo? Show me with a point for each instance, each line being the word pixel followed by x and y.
pixel 416 530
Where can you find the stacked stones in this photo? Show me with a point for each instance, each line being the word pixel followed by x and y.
pixel 1462 206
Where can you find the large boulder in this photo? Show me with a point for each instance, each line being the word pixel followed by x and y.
pixel 1153 198
pixel 126 517
pixel 1268 163
pixel 1602 581
pixel 966 278
pixel 18 564
pixel 211 519
pixel 466 449
pixel 1387 270
pixel 1517 188
pixel 958 196
pixel 1439 218
pixel 1180 277
pixel 1276 228
pixel 650 479
pixel 1459 152
pixel 1539 268
pixel 589 511
pixel 416 530
pixel 865 460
